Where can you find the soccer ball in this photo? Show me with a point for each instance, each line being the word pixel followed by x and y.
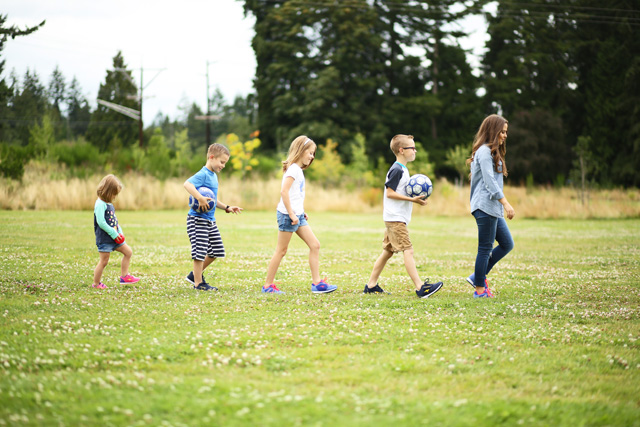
pixel 419 185
pixel 206 192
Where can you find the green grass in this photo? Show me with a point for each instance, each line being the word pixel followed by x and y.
pixel 558 346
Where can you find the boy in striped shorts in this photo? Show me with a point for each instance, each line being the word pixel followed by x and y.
pixel 206 242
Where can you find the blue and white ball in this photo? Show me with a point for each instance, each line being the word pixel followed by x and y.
pixel 206 192
pixel 419 185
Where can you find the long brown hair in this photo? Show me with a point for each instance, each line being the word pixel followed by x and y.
pixel 297 148
pixel 489 133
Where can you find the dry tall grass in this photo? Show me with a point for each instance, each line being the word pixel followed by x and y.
pixel 143 192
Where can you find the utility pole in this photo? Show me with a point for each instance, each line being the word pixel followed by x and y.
pixel 139 98
pixel 208 117
pixel 208 127
pixel 140 127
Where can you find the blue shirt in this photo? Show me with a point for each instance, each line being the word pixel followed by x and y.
pixel 486 184
pixel 209 179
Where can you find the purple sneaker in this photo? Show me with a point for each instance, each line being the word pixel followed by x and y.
pixel 322 287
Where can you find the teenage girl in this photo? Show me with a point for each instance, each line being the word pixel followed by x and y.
pixel 293 219
pixel 489 205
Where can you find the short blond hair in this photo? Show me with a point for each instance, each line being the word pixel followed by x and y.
pixel 109 188
pixel 397 142
pixel 216 150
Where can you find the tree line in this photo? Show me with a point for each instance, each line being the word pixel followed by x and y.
pixel 351 74
pixel 565 74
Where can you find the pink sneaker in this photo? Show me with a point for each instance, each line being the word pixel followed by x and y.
pixel 100 286
pixel 128 279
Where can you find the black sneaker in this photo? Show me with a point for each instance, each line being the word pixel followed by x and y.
pixel 191 280
pixel 375 290
pixel 205 287
pixel 428 289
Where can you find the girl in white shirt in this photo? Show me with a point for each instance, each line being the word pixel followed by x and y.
pixel 293 219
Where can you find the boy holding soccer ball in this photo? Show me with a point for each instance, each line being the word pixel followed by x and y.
pixel 397 207
pixel 206 242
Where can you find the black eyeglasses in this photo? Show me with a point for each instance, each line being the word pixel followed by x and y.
pixel 409 148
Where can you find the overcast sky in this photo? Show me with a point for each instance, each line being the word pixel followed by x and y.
pixel 81 37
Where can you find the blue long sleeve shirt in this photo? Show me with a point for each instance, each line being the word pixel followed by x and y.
pixel 486 184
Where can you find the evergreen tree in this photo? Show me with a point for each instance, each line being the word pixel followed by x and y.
pixel 7 92
pixel 530 71
pixel 107 127
pixel 56 94
pixel 78 110
pixel 29 106
pixel 332 70
pixel 608 63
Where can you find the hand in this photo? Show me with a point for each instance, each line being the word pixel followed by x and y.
pixel 306 217
pixel 294 219
pixel 421 200
pixel 233 209
pixel 509 211
pixel 203 204
pixel 119 239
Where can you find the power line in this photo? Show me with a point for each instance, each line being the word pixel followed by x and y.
pixel 581 17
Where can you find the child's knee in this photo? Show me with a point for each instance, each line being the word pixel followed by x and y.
pixel 315 246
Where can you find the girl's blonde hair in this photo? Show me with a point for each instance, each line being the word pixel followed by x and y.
pixel 109 188
pixel 297 148
pixel 489 133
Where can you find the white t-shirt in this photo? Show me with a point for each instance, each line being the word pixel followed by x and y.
pixel 397 210
pixel 296 192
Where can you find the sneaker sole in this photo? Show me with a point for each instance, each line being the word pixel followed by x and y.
pixel 328 291
pixel 470 282
pixel 434 292
pixel 189 280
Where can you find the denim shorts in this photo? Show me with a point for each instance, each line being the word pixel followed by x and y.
pixel 108 246
pixel 284 222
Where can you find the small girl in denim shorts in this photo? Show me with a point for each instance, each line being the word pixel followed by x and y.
pixel 109 236
pixel 293 219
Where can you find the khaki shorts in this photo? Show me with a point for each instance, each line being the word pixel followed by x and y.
pixel 396 237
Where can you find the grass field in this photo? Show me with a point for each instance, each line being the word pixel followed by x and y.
pixel 558 346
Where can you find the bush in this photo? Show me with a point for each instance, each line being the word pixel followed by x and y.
pixel 79 154
pixel 12 160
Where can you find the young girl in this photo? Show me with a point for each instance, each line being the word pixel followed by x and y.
pixel 292 219
pixel 488 203
pixel 109 235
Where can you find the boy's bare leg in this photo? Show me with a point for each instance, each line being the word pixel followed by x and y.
pixel 197 271
pixel 410 265
pixel 378 266
pixel 207 262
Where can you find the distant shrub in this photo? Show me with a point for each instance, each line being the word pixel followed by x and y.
pixel 13 158
pixel 327 168
pixel 77 154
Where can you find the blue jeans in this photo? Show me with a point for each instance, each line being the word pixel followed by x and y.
pixel 490 229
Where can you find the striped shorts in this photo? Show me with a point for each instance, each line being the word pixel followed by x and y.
pixel 205 238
